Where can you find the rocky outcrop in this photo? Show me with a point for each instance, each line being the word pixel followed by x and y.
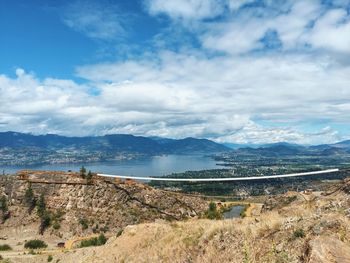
pixel 95 205
pixel 327 249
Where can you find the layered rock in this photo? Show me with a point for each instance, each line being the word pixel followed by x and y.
pixel 100 203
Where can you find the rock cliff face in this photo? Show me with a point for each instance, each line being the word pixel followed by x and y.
pixel 92 206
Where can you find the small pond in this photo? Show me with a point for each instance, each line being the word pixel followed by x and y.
pixel 234 212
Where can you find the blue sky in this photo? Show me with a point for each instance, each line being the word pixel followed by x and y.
pixel 239 71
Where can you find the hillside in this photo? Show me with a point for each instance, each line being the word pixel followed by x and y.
pixel 78 207
pixel 293 227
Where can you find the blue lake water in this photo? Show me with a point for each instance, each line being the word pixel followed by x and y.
pixel 153 166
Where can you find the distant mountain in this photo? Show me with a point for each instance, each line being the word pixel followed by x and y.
pixel 343 144
pixel 110 143
pixel 285 149
pixel 192 145
pixel 239 145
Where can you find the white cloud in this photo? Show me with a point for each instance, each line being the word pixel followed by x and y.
pixel 95 19
pixel 186 9
pixel 297 23
pixel 332 31
pixel 196 92
pixel 179 95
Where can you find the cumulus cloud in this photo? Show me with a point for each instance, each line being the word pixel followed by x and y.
pixel 298 24
pixel 178 95
pixel 224 90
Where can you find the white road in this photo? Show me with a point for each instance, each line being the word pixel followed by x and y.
pixel 219 179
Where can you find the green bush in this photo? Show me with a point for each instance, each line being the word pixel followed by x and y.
pixel 45 222
pixel 212 212
pixel 83 172
pixel 299 233
pixel 95 241
pixel 5 247
pixel 84 223
pixel 35 243
pixel 41 206
pixel 3 204
pixel 49 258
pixel 29 199
pixel 56 225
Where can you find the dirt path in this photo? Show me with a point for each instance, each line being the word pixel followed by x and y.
pixel 70 243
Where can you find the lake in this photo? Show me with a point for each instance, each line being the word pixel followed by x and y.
pixel 153 166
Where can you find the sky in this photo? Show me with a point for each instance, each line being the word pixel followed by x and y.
pixel 234 71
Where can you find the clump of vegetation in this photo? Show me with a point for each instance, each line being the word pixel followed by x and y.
pixel 95 241
pixel 45 217
pixel 5 214
pixel 299 233
pixel 89 176
pixel 49 258
pixel 83 172
pixel 212 212
pixel 41 206
pixel 84 223
pixel 56 218
pixel 243 213
pixel 5 247
pixel 29 199
pixel 119 232
pixel 35 244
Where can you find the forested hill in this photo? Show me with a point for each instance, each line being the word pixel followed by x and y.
pixel 110 143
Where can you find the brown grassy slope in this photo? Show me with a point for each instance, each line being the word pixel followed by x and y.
pixel 293 228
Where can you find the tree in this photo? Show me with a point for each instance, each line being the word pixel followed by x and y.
pixel 83 172
pixel 3 204
pixel 212 212
pixel 5 214
pixel 45 222
pixel 29 199
pixel 89 175
pixel 41 206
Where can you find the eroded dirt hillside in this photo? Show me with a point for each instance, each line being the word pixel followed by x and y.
pixel 85 206
pixel 295 227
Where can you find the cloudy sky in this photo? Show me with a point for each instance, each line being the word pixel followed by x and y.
pixel 239 71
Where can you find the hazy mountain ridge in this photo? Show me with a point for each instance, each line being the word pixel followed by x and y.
pixel 285 148
pixel 115 143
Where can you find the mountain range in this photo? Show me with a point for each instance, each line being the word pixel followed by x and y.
pixel 285 149
pixel 22 148
pixel 110 143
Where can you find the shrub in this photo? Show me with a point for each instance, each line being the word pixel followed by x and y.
pixel 4 209
pixel 3 204
pixel 56 225
pixel 45 222
pixel 83 172
pixel 5 247
pixel 49 258
pixel 29 199
pixel 89 176
pixel 120 232
pixel 84 223
pixel 212 212
pixel 35 244
pixel 299 233
pixel 41 206
pixel 95 241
